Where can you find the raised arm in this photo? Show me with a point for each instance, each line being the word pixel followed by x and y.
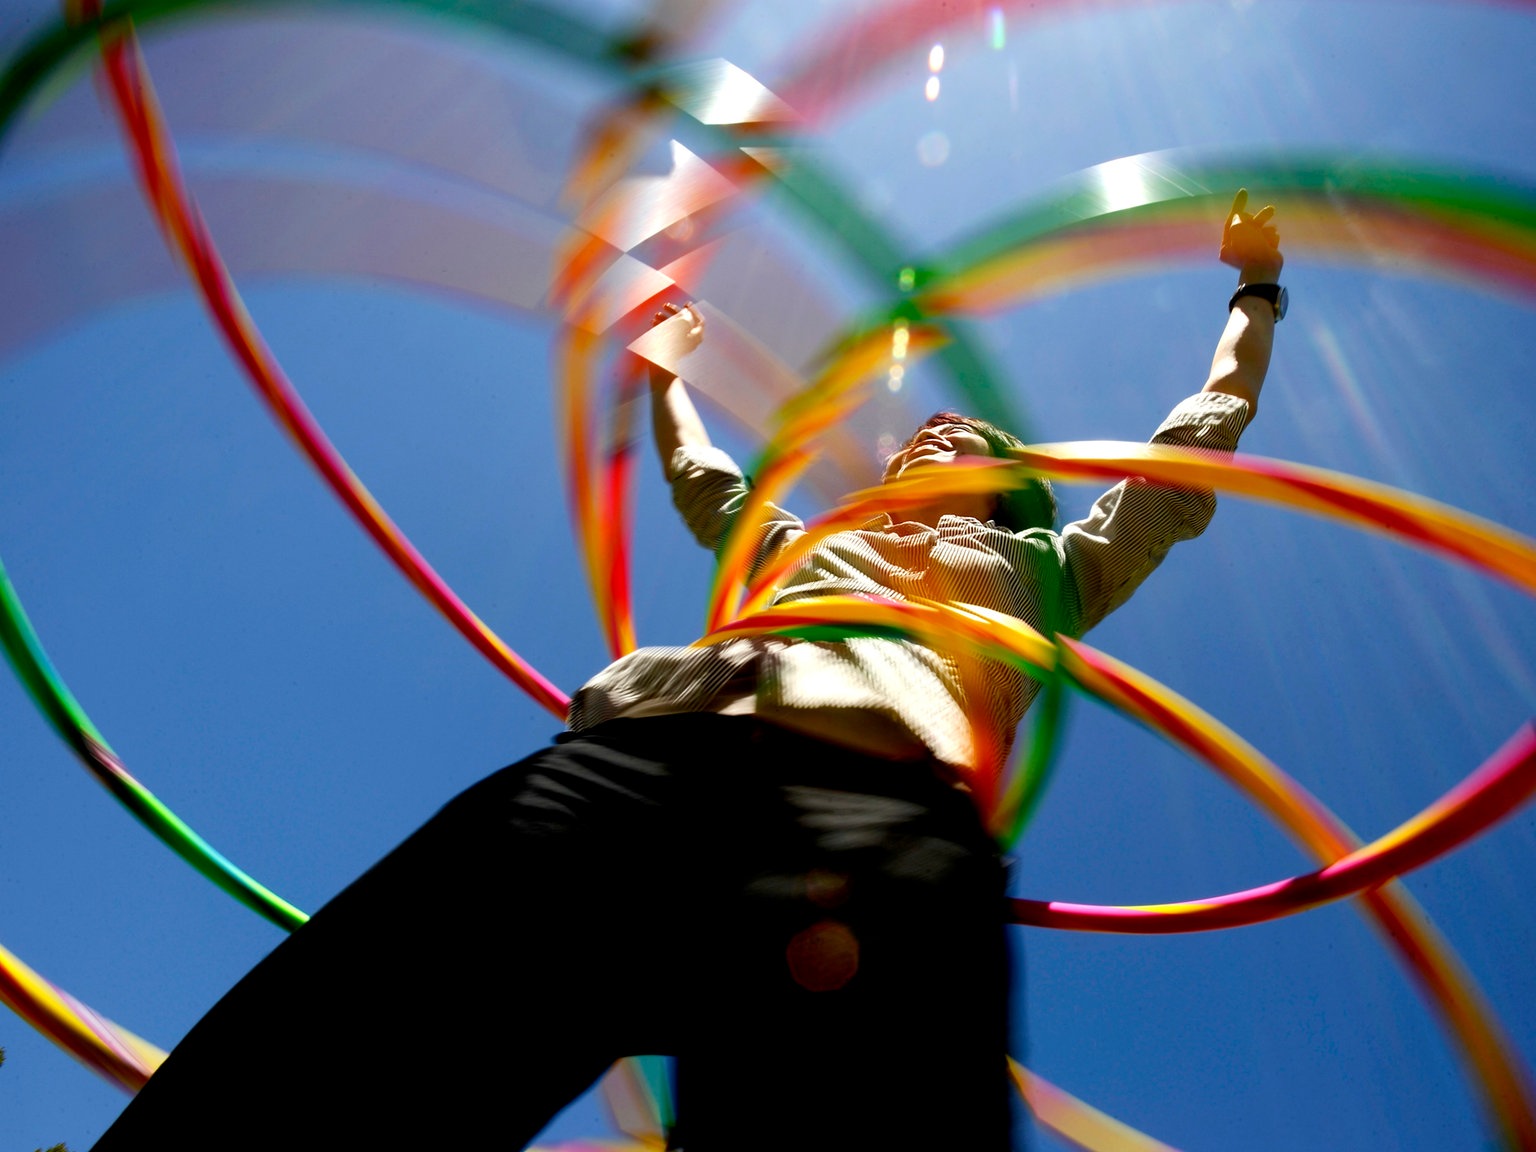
pixel 675 422
pixel 1131 528
pixel 1251 245
pixel 707 486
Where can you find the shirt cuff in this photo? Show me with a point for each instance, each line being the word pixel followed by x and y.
pixel 694 460
pixel 1206 420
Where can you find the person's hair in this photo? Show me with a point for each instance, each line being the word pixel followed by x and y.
pixel 1033 505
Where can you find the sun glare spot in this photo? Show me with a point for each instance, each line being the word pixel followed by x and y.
pixel 933 149
pixel 1122 184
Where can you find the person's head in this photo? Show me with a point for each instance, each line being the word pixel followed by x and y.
pixel 947 435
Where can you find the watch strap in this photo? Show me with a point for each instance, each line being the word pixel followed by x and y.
pixel 1277 297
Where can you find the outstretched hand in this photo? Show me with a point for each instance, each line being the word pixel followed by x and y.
pixel 696 329
pixel 1250 243
pixel 688 340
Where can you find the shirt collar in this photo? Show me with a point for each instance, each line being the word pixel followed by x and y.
pixel 947 524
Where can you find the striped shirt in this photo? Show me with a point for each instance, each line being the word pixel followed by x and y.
pixel 1063 582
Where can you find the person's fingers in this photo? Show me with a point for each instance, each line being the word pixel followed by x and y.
pixel 1239 202
pixel 1263 214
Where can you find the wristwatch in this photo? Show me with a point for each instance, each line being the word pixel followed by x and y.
pixel 1277 296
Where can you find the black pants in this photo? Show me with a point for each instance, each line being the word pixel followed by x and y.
pixel 817 936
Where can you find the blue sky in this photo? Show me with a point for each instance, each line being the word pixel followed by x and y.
pixel 262 668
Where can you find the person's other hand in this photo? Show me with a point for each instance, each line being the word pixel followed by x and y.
pixel 1250 243
pixel 687 341
pixel 695 331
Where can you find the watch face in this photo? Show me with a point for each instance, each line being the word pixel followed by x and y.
pixel 1282 302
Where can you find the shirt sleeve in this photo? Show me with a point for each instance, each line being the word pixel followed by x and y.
pixel 1116 546
pixel 710 491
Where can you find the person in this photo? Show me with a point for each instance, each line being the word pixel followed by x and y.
pixel 759 856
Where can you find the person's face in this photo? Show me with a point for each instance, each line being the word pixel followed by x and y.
pixel 940 444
